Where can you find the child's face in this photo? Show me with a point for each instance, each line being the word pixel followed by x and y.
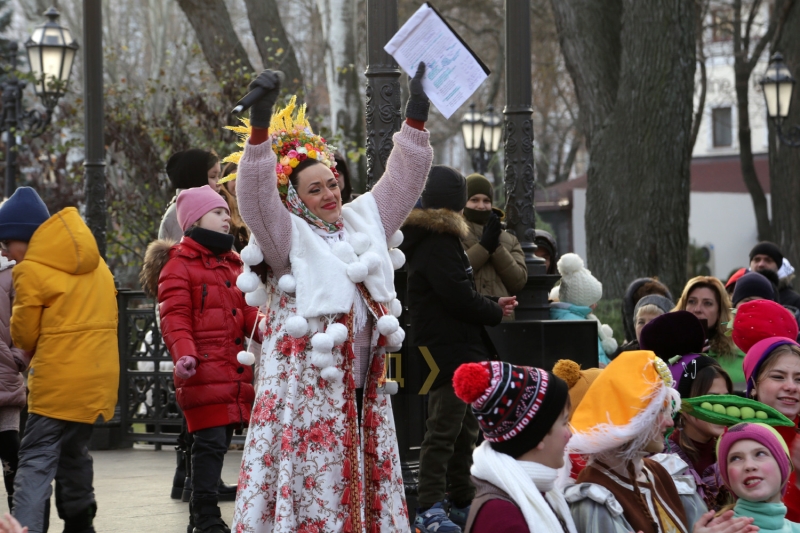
pixel 656 445
pixel 779 385
pixel 753 473
pixel 550 451
pixel 14 250
pixel 216 220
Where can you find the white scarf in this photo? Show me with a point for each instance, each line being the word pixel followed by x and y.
pixel 525 482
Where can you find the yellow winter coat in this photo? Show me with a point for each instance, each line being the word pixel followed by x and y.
pixel 66 310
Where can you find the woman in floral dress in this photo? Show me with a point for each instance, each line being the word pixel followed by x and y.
pixel 321 453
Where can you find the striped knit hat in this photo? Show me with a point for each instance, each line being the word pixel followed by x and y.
pixel 507 398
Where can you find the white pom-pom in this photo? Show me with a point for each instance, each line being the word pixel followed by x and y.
pixel 609 345
pixel 396 308
pixel 338 333
pixel 371 260
pixel 344 251
pixel 296 326
pixel 397 257
pixel 360 242
pixel 606 331
pixel 262 326
pixel 251 255
pixel 322 342
pixel 387 325
pixel 245 358
pixel 247 281
pixel 553 296
pixel 569 264
pixel 321 359
pixel 287 283
pixel 257 298
pixel 396 239
pixel 331 373
pixel 396 338
pixel 357 272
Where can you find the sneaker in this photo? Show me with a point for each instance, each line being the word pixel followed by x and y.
pixel 434 520
pixel 458 515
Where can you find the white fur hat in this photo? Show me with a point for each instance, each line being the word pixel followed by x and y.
pixel 578 286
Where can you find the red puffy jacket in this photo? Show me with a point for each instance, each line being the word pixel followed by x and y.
pixel 204 314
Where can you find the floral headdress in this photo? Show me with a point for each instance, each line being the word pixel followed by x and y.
pixel 293 141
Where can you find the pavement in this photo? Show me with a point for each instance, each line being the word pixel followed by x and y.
pixel 132 489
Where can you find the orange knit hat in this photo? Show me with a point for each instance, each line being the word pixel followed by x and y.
pixel 622 404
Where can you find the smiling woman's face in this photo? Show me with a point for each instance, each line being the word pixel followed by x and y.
pixel 318 189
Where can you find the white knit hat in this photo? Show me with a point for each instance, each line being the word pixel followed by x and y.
pixel 578 286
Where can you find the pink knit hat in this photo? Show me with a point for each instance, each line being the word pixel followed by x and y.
pixel 194 203
pixel 764 435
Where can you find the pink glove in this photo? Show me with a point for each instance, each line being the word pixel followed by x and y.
pixel 185 368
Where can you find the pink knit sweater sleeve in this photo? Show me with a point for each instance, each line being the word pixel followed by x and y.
pixel 261 207
pixel 406 171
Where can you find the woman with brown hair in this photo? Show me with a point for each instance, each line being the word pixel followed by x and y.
pixel 705 297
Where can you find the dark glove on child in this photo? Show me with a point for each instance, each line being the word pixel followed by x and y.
pixel 418 104
pixel 491 233
pixel 261 111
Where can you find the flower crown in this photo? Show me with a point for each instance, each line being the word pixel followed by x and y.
pixel 293 141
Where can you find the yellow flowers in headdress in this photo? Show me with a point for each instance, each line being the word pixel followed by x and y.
pixel 293 141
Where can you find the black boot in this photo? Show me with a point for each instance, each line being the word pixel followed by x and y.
pixel 81 522
pixel 187 482
pixel 11 504
pixel 180 475
pixel 225 492
pixel 207 517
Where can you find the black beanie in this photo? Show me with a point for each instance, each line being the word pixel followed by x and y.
pixel 516 406
pixel 768 248
pixel 446 188
pixel 478 184
pixel 189 169
pixel 752 284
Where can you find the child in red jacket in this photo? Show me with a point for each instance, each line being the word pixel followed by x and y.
pixel 205 322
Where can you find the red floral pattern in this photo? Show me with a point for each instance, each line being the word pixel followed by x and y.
pixel 292 477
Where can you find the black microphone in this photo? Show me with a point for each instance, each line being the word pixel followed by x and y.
pixel 255 95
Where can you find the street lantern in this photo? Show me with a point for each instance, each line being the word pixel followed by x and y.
pixel 482 134
pixel 472 129
pixel 778 86
pixel 492 130
pixel 51 52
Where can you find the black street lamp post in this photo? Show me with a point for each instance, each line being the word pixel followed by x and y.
pixel 482 134
pixel 778 86
pixel 51 51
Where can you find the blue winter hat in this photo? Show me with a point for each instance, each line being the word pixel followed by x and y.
pixel 21 215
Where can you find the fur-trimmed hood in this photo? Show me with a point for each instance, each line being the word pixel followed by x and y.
pixel 155 258
pixel 424 222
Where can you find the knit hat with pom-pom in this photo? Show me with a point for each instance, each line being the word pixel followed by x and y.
pixel 578 286
pixel 515 405
pixel 576 379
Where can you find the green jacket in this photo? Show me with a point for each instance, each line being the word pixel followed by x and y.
pixel 502 273
pixel 732 364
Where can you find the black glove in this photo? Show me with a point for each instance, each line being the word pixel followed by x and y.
pixel 261 111
pixel 491 233
pixel 418 104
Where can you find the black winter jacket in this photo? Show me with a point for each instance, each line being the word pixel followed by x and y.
pixel 447 313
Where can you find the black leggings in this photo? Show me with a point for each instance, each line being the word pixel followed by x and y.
pixel 9 454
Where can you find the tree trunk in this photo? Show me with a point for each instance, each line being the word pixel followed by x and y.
pixel 633 66
pixel 221 46
pixel 742 75
pixel 347 110
pixel 784 162
pixel 274 47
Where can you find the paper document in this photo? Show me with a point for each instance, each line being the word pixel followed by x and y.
pixel 453 71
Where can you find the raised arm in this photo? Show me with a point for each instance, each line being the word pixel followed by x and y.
pixel 402 183
pixel 409 163
pixel 257 188
pixel 260 204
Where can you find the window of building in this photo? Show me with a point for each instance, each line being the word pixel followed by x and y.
pixel 722 126
pixel 721 24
